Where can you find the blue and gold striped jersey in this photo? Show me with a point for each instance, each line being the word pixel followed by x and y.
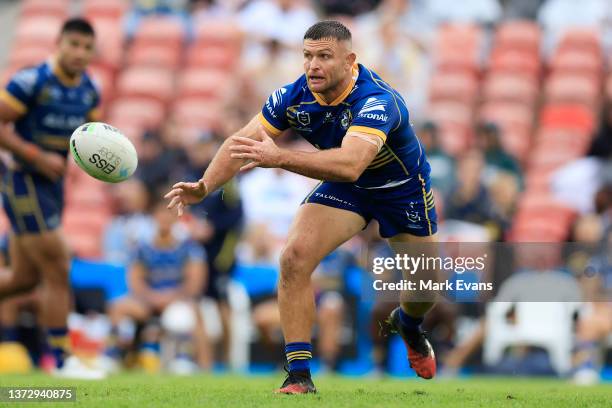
pixel 165 266
pixel 368 105
pixel 52 105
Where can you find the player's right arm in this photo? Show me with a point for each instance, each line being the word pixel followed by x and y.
pixel 223 167
pixel 14 100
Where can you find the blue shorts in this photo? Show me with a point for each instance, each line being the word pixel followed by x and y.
pixel 32 202
pixel 405 209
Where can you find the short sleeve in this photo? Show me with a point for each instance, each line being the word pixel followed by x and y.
pixel 377 115
pixel 138 255
pixel 195 252
pixel 273 114
pixel 19 91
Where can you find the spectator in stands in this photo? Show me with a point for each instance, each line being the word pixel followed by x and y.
pixel 287 20
pixel 442 165
pixel 217 226
pixel 277 64
pixel 343 7
pixel 521 9
pixel 413 20
pixel 496 158
pixel 503 192
pixel 203 10
pixel 328 283
pixel 556 16
pixel 131 224
pixel 595 324
pixel 163 271
pixel 469 200
pixel 162 158
pixel 399 57
pixel 602 142
pixel 469 11
pixel 271 197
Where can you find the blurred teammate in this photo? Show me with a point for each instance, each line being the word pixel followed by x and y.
pixel 371 164
pixel 45 103
pixel 164 271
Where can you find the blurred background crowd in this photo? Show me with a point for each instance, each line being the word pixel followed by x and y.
pixel 512 100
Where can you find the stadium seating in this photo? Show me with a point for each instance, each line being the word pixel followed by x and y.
pixel 198 113
pixel 38 31
pixel 151 82
pixel 141 112
pixel 109 41
pixel 453 86
pixel 113 9
pixel 45 8
pixel 203 83
pixel 154 56
pixel 520 36
pixel 161 31
pixel 572 89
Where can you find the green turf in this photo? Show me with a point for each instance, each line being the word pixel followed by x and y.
pixel 140 390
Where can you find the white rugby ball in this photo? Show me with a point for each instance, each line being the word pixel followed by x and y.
pixel 103 152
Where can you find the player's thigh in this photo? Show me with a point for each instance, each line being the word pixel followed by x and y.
pixel 48 250
pixel 317 230
pixel 129 307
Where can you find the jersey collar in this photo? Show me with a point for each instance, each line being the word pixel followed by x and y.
pixel 61 75
pixel 343 95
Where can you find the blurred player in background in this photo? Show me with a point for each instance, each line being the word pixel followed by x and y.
pixel 164 271
pixel 45 103
pixel 372 166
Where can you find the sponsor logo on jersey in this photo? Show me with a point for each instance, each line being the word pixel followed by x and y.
pixel 277 96
pixel 373 109
pixel 329 118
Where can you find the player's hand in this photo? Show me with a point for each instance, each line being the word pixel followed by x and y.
pixel 51 165
pixel 264 153
pixel 183 194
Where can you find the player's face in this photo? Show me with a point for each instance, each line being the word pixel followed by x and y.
pixel 75 52
pixel 327 62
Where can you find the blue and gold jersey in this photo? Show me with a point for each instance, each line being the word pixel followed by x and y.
pixel 368 105
pixel 52 106
pixel 165 266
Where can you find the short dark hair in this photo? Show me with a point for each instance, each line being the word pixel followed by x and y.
pixel 77 25
pixel 328 29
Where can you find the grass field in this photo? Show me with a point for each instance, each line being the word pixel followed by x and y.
pixel 140 390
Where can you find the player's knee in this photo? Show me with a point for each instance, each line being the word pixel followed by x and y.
pixel 25 284
pixel 294 268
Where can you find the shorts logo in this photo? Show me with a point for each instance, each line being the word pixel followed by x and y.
pixel 303 118
pixel 413 215
pixel 345 119
pixel 333 198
